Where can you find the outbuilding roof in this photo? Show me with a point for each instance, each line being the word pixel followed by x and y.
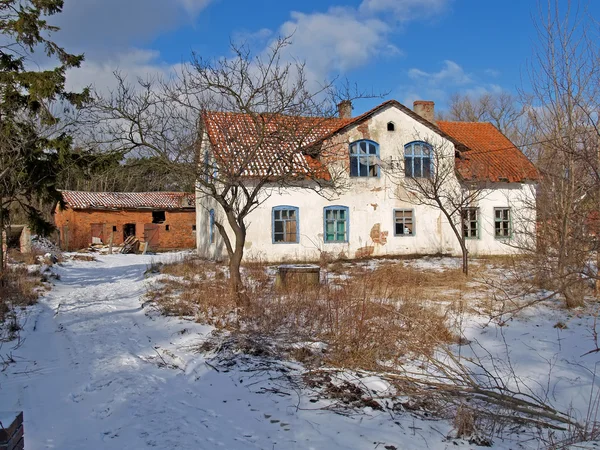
pixel 128 200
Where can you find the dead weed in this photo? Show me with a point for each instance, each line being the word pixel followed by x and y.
pixel 18 288
pixel 369 319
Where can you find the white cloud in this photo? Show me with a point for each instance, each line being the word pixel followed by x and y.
pixel 337 40
pixel 193 7
pixel 101 28
pixel 451 78
pixel 134 64
pixel 112 34
pixel 345 38
pixel 405 10
pixel 492 72
pixel 451 73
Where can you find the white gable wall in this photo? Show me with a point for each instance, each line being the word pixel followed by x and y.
pixel 371 202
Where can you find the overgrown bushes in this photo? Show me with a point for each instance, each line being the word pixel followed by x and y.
pixel 364 318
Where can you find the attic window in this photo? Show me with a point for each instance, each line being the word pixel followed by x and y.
pixel 158 216
pixel 391 126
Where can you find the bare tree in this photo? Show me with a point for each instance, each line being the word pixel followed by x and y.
pixel 437 184
pixel 563 110
pixel 502 109
pixel 245 125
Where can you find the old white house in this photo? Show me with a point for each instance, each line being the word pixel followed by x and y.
pixel 374 212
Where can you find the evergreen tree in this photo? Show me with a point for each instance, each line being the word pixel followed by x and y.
pixel 34 147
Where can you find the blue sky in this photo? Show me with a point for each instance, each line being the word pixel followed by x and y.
pixel 415 49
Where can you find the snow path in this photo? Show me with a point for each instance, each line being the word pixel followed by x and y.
pixel 89 376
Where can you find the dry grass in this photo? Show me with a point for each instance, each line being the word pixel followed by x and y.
pixel 83 257
pixel 18 288
pixel 369 319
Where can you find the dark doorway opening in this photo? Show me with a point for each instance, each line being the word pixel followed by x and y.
pixel 158 216
pixel 128 230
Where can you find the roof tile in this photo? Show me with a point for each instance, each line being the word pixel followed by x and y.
pixel 235 140
pixel 128 200
pixel 490 156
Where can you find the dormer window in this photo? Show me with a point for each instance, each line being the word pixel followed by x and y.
pixel 391 126
pixel 364 157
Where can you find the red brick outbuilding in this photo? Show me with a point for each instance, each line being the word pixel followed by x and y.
pixel 166 220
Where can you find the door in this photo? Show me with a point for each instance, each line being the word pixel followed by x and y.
pixel 97 233
pixel 151 235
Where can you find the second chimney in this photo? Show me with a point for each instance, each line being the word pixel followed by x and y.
pixel 426 109
pixel 345 109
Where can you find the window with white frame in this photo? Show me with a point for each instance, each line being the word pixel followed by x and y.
pixel 502 222
pixel 285 224
pixel 404 222
pixel 335 224
pixel 418 160
pixel 364 159
pixel 470 223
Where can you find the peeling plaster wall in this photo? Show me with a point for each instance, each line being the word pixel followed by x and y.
pixel 371 202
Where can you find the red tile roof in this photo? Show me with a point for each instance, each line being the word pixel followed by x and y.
pixel 490 156
pixel 235 140
pixel 128 200
pixel 485 153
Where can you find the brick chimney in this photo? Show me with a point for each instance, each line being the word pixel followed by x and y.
pixel 345 109
pixel 426 109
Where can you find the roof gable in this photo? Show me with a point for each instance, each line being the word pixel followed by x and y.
pixel 409 112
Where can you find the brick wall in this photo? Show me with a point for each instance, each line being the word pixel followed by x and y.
pixel 75 227
pixel 11 432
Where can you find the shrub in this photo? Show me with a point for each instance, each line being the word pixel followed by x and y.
pixel 370 319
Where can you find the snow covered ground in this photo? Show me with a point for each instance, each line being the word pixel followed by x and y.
pixel 98 369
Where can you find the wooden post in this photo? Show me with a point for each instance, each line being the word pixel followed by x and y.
pixel 11 431
pixel 110 242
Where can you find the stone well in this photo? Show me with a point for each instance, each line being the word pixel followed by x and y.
pixel 303 274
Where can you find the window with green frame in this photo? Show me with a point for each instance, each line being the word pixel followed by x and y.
pixel 502 222
pixel 470 223
pixel 335 223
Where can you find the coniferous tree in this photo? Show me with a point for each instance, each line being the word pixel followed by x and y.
pixel 34 145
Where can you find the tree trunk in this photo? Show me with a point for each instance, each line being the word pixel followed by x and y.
pixel 2 255
pixel 465 259
pixel 238 290
pixel 236 253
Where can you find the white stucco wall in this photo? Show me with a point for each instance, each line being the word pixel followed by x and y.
pixel 371 202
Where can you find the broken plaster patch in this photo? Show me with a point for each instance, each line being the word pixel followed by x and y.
pixel 378 236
